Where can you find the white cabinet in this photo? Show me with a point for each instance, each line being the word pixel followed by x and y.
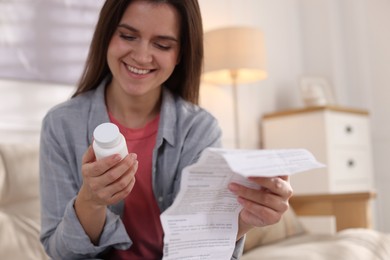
pixel 338 137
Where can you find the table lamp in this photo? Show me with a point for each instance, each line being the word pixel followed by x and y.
pixel 234 55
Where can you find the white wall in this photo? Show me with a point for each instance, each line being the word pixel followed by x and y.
pixel 378 38
pixel 23 104
pixel 279 21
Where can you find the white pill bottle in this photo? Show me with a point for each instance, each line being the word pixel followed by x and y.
pixel 108 141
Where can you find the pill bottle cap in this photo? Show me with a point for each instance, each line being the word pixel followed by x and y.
pixel 107 135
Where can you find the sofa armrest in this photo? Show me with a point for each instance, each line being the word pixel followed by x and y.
pixel 352 210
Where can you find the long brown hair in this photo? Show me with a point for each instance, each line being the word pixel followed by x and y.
pixel 185 79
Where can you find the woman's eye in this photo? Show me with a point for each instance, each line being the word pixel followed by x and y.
pixel 162 46
pixel 127 37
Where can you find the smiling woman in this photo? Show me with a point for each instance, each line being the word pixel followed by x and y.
pixel 142 74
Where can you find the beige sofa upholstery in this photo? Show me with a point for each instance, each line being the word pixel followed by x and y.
pixel 348 244
pixel 288 239
pixel 19 202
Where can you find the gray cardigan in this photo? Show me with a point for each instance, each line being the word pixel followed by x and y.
pixel 184 132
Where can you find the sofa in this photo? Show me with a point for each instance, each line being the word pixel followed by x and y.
pixel 19 202
pixel 288 239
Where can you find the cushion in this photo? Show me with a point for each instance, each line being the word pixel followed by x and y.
pixel 356 244
pixel 19 202
pixel 288 226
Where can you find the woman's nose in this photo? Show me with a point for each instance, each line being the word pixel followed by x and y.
pixel 141 53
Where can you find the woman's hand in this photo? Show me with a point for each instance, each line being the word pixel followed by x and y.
pixel 264 206
pixel 105 182
pixel 108 180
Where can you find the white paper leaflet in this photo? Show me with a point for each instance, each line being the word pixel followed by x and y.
pixel 202 223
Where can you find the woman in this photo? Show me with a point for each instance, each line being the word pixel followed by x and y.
pixel 143 74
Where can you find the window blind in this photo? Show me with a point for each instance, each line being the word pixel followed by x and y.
pixel 46 40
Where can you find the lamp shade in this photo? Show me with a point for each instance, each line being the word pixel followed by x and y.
pixel 236 52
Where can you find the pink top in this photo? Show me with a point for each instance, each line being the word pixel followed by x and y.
pixel 141 215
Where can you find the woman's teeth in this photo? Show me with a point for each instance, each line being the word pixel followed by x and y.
pixel 137 71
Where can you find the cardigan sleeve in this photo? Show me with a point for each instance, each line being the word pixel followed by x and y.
pixel 60 179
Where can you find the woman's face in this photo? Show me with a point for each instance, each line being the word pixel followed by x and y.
pixel 144 50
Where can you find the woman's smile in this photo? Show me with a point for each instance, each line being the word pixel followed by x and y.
pixel 138 71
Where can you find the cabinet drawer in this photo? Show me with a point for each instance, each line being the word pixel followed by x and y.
pixel 349 165
pixel 348 130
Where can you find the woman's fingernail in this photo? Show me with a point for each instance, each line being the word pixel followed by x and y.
pixel 278 182
pixel 233 187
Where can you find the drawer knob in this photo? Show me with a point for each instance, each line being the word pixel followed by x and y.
pixel 351 163
pixel 348 129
